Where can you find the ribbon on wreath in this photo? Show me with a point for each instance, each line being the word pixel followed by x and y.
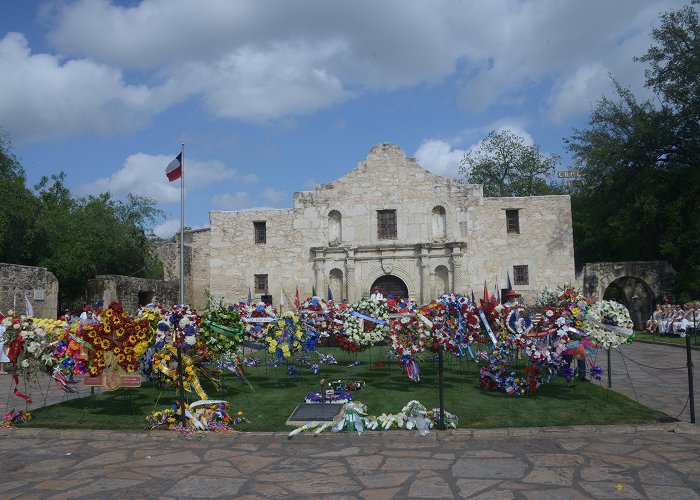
pixel 410 368
pixel 13 353
pixel 488 327
pixel 369 318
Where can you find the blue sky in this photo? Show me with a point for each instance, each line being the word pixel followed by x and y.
pixel 274 97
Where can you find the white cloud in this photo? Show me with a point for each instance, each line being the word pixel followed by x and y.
pixel 143 174
pixel 262 61
pixel 234 201
pixel 41 96
pixel 167 228
pixel 439 157
pixel 273 196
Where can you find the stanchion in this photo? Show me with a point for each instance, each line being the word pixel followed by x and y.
pixel 441 389
pixel 609 369
pixel 689 364
pixel 182 385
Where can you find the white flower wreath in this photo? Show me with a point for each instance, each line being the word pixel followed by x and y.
pixel 609 324
pixel 355 329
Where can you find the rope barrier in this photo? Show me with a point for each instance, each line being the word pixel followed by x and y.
pixel 652 367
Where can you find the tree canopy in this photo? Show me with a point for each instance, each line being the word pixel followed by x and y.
pixel 507 166
pixel 74 237
pixel 640 197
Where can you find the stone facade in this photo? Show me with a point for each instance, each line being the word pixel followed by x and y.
pixel 38 284
pixel 449 237
pixel 131 292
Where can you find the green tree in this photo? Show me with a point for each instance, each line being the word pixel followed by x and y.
pixel 506 166
pixel 17 209
pixel 640 199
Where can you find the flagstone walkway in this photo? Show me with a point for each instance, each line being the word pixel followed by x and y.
pixel 659 461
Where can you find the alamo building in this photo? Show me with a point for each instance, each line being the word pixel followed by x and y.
pixel 388 223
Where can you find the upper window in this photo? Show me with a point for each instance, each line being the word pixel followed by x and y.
pixel 513 221
pixel 260 232
pixel 520 275
pixel 386 224
pixel 260 283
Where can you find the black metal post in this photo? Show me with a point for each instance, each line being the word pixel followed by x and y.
pixel 609 370
pixel 691 395
pixel 441 389
pixel 182 384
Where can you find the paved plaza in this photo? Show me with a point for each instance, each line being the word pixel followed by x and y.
pixel 650 461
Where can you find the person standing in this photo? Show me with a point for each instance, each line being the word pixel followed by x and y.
pixel 3 355
pixel 636 310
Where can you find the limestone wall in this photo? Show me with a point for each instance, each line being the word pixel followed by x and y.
pixel 126 289
pixel 38 284
pixel 448 237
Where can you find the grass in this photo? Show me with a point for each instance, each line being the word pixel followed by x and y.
pixel 387 390
pixel 694 339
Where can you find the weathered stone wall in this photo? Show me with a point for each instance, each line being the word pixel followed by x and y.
pixel 196 265
pixel 126 289
pixel 307 243
pixel 651 281
pixel 38 284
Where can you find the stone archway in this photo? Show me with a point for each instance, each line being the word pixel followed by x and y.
pixel 624 288
pixel 390 285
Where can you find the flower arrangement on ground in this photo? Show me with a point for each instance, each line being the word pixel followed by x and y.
pixel 221 330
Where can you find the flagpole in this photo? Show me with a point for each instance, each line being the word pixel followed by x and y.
pixel 182 225
pixel 183 419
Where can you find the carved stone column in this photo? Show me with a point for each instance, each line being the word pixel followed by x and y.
pixel 350 276
pixel 456 270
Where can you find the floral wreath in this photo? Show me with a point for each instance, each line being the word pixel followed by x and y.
pixel 255 318
pixel 221 330
pixel 362 332
pixel 165 363
pixel 609 324
pixel 284 336
pixel 409 335
pixel 119 340
pixel 180 321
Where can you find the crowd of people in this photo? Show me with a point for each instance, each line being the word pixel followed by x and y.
pixel 674 319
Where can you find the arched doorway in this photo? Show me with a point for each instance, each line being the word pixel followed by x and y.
pixel 390 285
pixel 624 288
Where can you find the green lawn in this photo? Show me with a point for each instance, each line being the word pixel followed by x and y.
pixel 694 340
pixel 387 390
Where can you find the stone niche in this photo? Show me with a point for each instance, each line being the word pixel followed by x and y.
pixel 131 292
pixel 37 284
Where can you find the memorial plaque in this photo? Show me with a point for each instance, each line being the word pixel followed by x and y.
pixel 39 295
pixel 315 412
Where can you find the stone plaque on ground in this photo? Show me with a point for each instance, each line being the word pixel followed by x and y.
pixel 315 412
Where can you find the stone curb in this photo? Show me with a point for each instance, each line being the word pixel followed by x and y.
pixel 370 436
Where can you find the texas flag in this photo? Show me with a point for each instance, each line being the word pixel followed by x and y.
pixel 174 170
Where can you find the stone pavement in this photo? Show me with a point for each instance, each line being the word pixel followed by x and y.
pixel 658 461
pixel 655 375
pixel 653 461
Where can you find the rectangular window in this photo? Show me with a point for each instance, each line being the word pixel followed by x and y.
pixel 520 275
pixel 513 221
pixel 260 283
pixel 386 224
pixel 260 232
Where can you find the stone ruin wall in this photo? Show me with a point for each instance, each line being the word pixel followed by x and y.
pixel 125 289
pixel 38 284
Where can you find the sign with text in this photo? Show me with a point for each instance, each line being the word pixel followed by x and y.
pixel 568 174
pixel 112 381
